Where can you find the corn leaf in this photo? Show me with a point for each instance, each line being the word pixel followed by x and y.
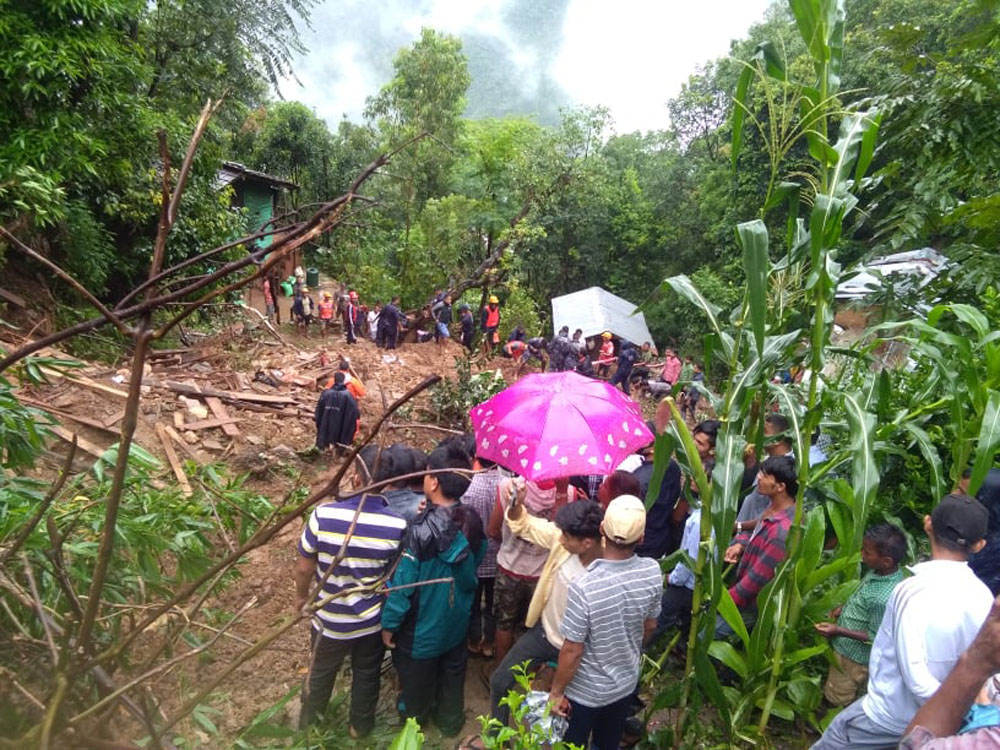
pixel 752 237
pixel 865 476
pixel 989 441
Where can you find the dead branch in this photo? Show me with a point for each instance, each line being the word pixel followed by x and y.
pixel 262 536
pixel 165 666
pixel 40 608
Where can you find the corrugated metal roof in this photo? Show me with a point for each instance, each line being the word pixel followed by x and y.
pixel 232 171
pixel 595 310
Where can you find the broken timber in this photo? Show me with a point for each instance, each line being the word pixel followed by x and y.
pixel 222 416
pixel 175 464
pixel 235 397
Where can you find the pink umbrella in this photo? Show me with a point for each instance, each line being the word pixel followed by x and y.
pixel 559 424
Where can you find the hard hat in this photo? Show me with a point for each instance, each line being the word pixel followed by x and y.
pixel 327 294
pixel 353 294
pixel 606 335
pixel 493 299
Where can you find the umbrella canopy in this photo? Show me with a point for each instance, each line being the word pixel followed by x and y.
pixel 559 424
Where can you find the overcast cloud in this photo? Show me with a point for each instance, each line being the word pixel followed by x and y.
pixel 525 56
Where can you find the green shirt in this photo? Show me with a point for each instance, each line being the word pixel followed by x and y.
pixel 864 611
pixel 686 372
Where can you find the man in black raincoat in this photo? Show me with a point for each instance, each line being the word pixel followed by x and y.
pixel 336 416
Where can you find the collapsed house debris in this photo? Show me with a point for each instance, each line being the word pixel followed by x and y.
pixel 225 398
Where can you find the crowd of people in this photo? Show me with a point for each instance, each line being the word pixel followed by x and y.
pixel 622 362
pixel 566 572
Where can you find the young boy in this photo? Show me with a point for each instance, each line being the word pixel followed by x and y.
pixel 426 626
pixel 859 619
pixel 930 619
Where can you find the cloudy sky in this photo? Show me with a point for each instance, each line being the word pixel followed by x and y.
pixel 525 56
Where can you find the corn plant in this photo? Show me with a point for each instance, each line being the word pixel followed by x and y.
pixel 769 662
pixel 955 398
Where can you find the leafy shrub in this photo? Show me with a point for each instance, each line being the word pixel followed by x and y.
pixel 452 399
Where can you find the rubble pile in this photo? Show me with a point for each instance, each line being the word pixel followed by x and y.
pixel 249 403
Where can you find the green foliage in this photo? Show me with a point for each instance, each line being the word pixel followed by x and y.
pixel 287 140
pixel 452 399
pixel 22 431
pixel 519 736
pixel 162 538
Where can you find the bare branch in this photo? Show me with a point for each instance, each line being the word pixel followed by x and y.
pixel 41 609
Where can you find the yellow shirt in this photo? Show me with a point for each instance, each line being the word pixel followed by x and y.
pixel 547 534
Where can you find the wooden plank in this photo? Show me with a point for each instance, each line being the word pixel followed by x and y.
pixel 115 418
pixel 201 391
pixel 178 420
pixel 85 382
pixel 206 424
pixel 82 443
pixel 226 422
pixel 175 464
pixel 14 299
pixel 86 421
pixel 184 446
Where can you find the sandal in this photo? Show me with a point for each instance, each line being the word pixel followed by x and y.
pixel 472 742
pixel 474 649
pixel 487 650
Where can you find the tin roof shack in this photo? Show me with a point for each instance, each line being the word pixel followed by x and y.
pixel 262 195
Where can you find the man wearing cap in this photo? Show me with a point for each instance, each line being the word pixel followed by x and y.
pixel 606 356
pixel 931 618
pixel 611 610
pixel 489 321
pixel 326 313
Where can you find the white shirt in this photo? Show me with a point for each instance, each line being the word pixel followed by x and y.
pixel 681 575
pixel 555 607
pixel 929 621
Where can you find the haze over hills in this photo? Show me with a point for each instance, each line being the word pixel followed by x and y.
pixel 526 57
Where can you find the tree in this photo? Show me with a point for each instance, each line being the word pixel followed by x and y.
pixel 293 143
pixel 426 95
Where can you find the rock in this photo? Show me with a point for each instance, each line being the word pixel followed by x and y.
pixel 189 437
pixel 214 445
pixel 254 439
pixel 284 453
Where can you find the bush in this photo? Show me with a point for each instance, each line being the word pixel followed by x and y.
pixel 451 400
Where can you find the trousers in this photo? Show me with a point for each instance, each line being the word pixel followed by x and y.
pixel 532 646
pixel 482 624
pixel 366 655
pixel 434 689
pixel 598 728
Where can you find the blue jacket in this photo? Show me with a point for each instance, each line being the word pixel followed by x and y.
pixel 430 620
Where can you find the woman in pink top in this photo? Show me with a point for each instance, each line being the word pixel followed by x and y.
pixel 671 367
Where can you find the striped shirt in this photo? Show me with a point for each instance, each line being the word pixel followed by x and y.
pixel 606 612
pixel 762 556
pixel 370 551
pixel 481 497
